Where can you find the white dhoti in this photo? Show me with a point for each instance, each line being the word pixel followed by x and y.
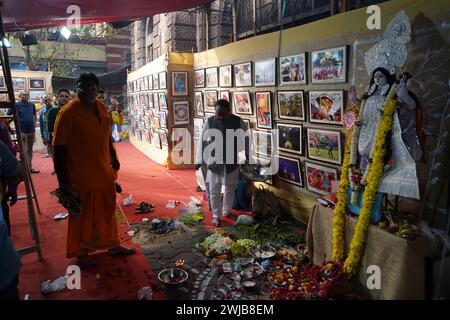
pixel 216 181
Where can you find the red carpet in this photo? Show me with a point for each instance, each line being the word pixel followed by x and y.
pixel 120 278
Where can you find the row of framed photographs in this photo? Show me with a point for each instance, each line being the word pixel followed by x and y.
pixel 158 82
pixel 180 113
pixel 34 95
pixel 319 178
pixel 327 66
pixel 21 83
pixel 325 106
pixel 322 145
pixel 159 137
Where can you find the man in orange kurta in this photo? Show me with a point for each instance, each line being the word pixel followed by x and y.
pixel 86 164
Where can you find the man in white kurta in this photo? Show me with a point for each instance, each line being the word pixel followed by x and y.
pixel 223 138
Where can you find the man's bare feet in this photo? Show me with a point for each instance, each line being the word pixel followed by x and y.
pixel 119 250
pixel 215 222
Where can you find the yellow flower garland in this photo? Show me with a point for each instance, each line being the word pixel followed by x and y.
pixel 375 174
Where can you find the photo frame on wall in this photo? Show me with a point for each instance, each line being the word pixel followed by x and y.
pixel 290 137
pixel 225 95
pixel 319 178
pixel 181 112
pixel 324 145
pixel 265 73
pixel 243 74
pixel 262 142
pixel 162 101
pixel 289 170
pixel 36 83
pixel 293 69
pixel 37 95
pixel 150 82
pixel 180 139
pixel 163 137
pixel 155 84
pixel 199 110
pixel 263 103
pixel 326 106
pixel 242 102
pixel 225 76
pixel 210 100
pixel 199 76
pixel 156 101
pixel 212 80
pixel 156 139
pixel 162 119
pixel 18 83
pixel 329 65
pixel 291 105
pixel 145 83
pixel 2 83
pixel 162 80
pixel 247 123
pixel 179 83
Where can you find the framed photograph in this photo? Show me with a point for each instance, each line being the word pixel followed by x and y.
pixel 156 139
pixel 290 138
pixel 210 100
pixel 3 97
pixel 163 137
pixel 36 96
pixel 36 83
pixel 150 100
pixel 198 127
pixel 135 88
pixel 199 110
pixel 324 145
pixel 262 142
pixel 265 73
pixel 162 101
pixel 156 121
pixel 155 84
pixel 242 103
pixel 199 76
pixel 329 65
pixel 162 80
pixel 225 95
pixel 180 139
pixel 225 76
pixel 289 170
pixel 180 112
pixel 150 82
pixel 293 69
pixel 211 78
pixel 291 105
pixel 243 74
pixel 326 106
pixel 142 99
pixel 145 83
pixel 18 83
pixel 320 178
pixel 156 101
pixel 162 119
pixel 179 83
pixel 263 110
pixel 139 134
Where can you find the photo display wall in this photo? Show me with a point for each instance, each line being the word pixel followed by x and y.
pixel 301 95
pixel 152 118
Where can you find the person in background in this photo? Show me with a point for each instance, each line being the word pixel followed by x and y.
pixel 43 123
pixel 11 170
pixel 101 96
pixel 27 120
pixel 222 171
pixel 63 97
pixel 87 169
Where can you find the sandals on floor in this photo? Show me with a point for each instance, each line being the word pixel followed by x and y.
pixel 144 207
